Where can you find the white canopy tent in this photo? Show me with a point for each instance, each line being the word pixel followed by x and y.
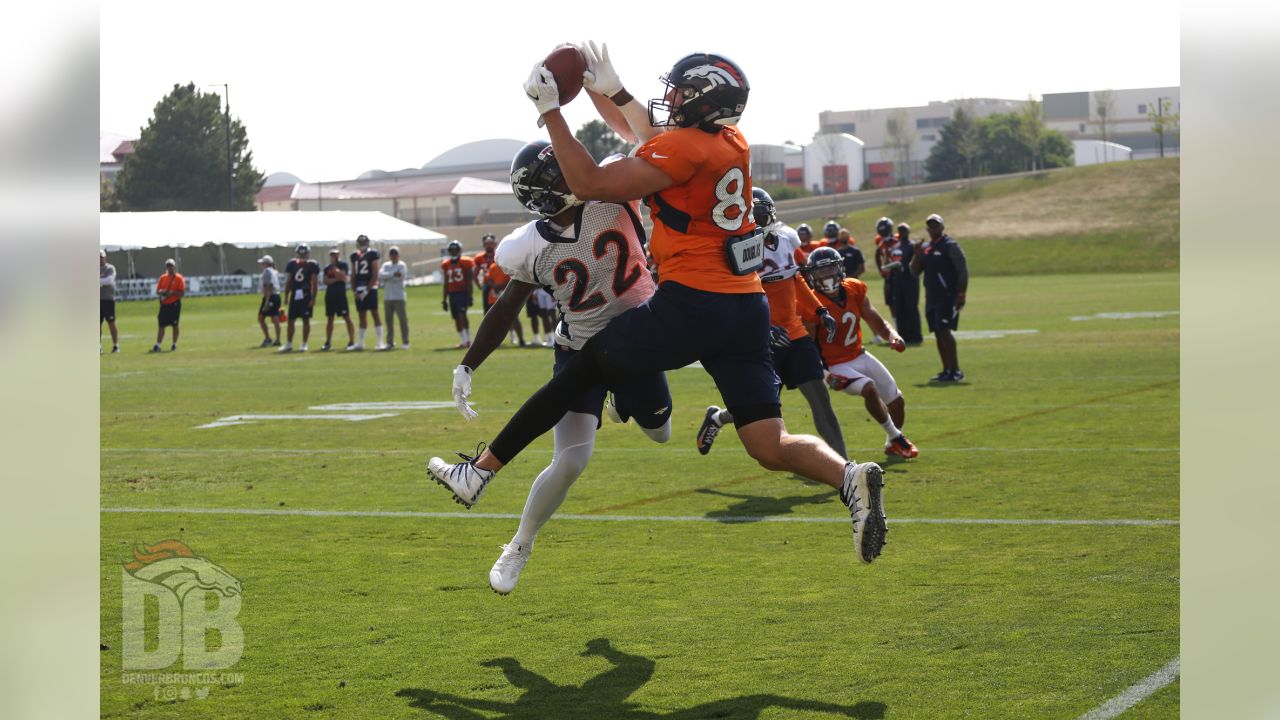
pixel 139 230
pixel 227 243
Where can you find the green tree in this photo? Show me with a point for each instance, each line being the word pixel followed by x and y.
pixel 1018 141
pixel 107 200
pixel 180 160
pixel 956 153
pixel 601 141
pixel 1056 150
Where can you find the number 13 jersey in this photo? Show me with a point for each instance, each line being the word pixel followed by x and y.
pixel 594 268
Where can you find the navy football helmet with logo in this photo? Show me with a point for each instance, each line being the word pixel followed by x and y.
pixel 537 181
pixel 712 90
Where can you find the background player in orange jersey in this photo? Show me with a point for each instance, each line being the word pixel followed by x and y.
pixel 793 311
pixel 850 367
pixel 458 273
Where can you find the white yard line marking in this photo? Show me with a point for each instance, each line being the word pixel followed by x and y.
pixel 599 450
pixel 1124 315
pixel 251 419
pixel 394 405
pixel 989 334
pixel 631 518
pixel 1135 693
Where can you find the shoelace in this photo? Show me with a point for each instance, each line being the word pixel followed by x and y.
pixel 472 458
pixel 514 558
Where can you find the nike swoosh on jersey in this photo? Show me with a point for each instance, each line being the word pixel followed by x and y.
pixel 661 157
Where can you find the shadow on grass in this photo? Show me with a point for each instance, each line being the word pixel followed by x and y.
pixel 604 697
pixel 752 507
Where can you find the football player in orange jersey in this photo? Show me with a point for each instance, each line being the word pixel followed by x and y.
pixel 849 366
pixel 483 261
pixel 458 272
pixel 793 311
pixel 709 305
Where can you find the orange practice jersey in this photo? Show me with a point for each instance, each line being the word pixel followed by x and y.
pixel 848 315
pixel 482 262
pixel 498 280
pixel 706 204
pixel 457 273
pixel 791 303
pixel 173 284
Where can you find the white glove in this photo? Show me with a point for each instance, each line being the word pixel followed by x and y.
pixel 599 76
pixel 541 89
pixel 462 391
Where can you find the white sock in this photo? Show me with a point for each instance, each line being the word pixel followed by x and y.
pixel 574 438
pixel 891 431
pixel 466 334
pixel 378 331
pixel 362 330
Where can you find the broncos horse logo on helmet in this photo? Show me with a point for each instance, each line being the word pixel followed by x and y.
pixel 712 90
pixel 537 181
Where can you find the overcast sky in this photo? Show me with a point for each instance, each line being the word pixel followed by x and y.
pixel 328 91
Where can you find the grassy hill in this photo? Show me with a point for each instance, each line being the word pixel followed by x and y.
pixel 1119 217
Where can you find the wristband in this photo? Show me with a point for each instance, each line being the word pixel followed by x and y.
pixel 622 97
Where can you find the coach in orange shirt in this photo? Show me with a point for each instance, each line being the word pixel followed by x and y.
pixel 709 305
pixel 171 287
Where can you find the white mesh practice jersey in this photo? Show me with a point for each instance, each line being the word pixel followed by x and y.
pixel 780 262
pixel 595 268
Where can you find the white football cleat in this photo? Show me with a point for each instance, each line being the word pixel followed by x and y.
pixel 356 347
pixel 464 480
pixel 506 571
pixel 287 347
pixel 861 493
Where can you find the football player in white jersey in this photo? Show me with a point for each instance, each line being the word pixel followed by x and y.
pixel 793 311
pixel 591 257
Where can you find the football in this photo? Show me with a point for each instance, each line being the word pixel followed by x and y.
pixel 567 65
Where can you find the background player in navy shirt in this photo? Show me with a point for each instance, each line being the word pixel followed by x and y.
pixel 335 298
pixel 300 288
pixel 364 285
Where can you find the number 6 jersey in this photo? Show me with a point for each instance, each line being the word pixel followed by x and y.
pixel 594 268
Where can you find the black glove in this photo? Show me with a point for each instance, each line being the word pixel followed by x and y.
pixel 829 323
pixel 444 305
pixel 778 337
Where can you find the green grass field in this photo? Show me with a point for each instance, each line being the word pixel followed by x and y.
pixel 662 614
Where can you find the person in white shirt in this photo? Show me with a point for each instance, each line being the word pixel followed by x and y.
pixel 270 305
pixel 107 301
pixel 392 276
